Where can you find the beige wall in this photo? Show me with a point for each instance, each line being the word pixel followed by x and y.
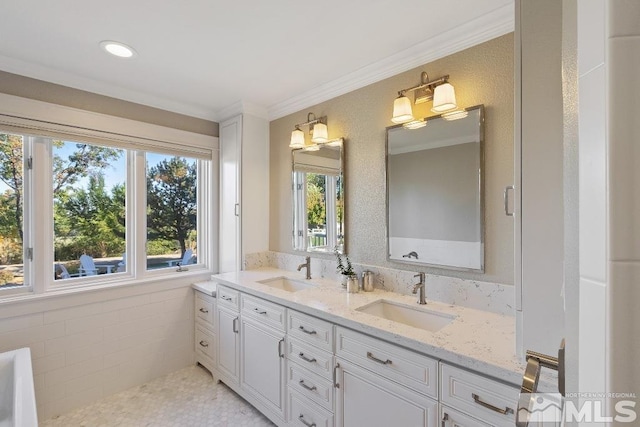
pixel 39 90
pixel 481 75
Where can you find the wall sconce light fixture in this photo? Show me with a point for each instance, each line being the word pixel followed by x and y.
pixel 440 91
pixel 317 128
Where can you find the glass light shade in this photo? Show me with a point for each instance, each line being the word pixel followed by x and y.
pixel 455 115
pixel 444 98
pixel 402 110
pixel 297 139
pixel 320 133
pixel 415 124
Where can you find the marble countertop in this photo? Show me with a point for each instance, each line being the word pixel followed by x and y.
pixel 481 341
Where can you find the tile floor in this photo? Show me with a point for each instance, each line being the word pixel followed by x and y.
pixel 188 397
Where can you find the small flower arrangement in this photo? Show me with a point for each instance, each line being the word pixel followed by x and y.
pixel 344 266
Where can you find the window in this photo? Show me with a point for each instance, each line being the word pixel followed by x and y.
pixel 172 214
pixel 100 213
pixel 89 209
pixel 12 247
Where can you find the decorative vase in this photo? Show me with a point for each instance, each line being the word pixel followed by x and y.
pixel 353 285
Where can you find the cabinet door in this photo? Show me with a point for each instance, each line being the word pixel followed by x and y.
pixel 228 329
pixel 262 361
pixel 366 399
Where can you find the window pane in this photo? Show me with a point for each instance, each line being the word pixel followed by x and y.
pixel 89 194
pixel 171 211
pixel 11 211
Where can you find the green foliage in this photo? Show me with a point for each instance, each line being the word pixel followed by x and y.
pixel 316 204
pixel 161 247
pixel 6 277
pixel 90 220
pixel 344 267
pixel 171 201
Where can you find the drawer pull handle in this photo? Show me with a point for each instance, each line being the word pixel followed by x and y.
pixel 203 310
pixel 480 402
pixel 257 310
pixel 445 418
pixel 204 344
pixel 305 422
pixel 226 298
pixel 312 388
pixel 305 358
pixel 307 331
pixel 375 359
pixel 235 325
pixel 280 352
pixel 335 375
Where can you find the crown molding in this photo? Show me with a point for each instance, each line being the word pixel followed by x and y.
pixel 242 107
pixel 484 28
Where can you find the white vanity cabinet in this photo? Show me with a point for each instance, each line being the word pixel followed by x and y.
pixel 487 401
pixel 228 327
pixel 310 370
pixel 262 354
pixel 205 330
pixel 380 384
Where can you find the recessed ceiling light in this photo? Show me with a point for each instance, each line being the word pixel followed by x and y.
pixel 118 49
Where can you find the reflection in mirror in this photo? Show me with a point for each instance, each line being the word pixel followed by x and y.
pixel 434 192
pixel 318 198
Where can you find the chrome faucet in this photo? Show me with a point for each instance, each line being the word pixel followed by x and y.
pixel 306 264
pixel 419 286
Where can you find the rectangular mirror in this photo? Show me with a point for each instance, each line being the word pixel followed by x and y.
pixel 318 198
pixel 435 202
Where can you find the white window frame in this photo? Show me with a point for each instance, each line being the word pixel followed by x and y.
pixel 41 122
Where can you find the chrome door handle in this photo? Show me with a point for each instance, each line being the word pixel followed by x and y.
pixel 257 310
pixel 506 200
pixel 482 403
pixel 305 358
pixel 236 209
pixel 204 344
pixel 307 331
pixel 202 310
pixel 226 298
pixel 445 418
pixel 375 359
pixel 302 383
pixel 303 421
pixel 235 325
pixel 335 375
pixel 280 352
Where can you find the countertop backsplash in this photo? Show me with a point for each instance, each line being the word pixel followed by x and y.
pixel 487 296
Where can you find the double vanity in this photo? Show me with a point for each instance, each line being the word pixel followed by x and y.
pixel 307 353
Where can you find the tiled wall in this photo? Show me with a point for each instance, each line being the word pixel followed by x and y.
pixel 592 69
pixel 493 297
pixel 622 65
pixel 88 351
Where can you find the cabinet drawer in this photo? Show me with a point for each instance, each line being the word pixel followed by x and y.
pixel 311 330
pixel 311 386
pixel 204 305
pixel 228 297
pixel 318 361
pixel 303 413
pixel 265 312
pixel 406 367
pixel 490 401
pixel 205 342
pixel 452 418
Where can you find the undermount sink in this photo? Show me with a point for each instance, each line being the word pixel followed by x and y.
pixel 407 315
pixel 286 284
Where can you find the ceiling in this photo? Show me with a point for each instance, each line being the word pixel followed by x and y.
pixel 205 58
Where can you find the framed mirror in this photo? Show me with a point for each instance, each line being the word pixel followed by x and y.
pixel 435 212
pixel 318 198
